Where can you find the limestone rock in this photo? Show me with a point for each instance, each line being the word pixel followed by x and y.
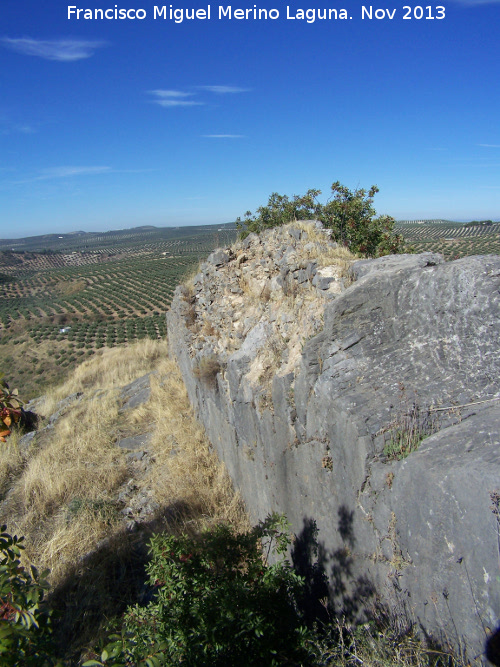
pixel 412 343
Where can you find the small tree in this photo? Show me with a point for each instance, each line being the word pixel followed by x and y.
pixel 280 209
pixel 351 216
pixel 349 213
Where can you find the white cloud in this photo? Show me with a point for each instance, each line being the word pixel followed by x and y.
pixel 178 103
pixel 13 128
pixel 223 90
pixel 489 145
pixel 170 93
pixel 173 98
pixel 223 136
pixel 68 172
pixel 64 50
pixel 24 129
pixel 54 173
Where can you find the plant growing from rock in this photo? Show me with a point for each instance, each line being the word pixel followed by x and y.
pixel 207 368
pixel 407 430
pixel 349 213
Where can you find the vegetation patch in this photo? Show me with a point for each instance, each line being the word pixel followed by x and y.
pixel 64 493
pixel 25 626
pixel 207 369
pixel 409 427
pixel 217 601
pixel 348 213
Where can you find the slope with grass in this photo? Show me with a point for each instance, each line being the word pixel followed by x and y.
pixel 88 491
pixel 86 292
pixel 87 506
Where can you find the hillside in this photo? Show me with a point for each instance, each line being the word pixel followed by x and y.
pixel 358 397
pixel 62 299
pixel 453 239
pixel 118 457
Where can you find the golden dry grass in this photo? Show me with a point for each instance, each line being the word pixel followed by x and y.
pixel 10 461
pixel 63 497
pixel 326 255
pixel 186 469
pixel 108 369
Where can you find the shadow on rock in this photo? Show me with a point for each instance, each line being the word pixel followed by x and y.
pixel 492 648
pixel 331 585
pixel 310 560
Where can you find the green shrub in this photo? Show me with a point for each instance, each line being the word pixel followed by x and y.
pixel 24 620
pixel 350 214
pixel 218 602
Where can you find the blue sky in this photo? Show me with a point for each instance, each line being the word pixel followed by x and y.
pixel 113 123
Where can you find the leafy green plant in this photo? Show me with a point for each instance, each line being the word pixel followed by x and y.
pixel 349 213
pixel 280 210
pixel 351 216
pixel 218 601
pixel 10 409
pixel 24 620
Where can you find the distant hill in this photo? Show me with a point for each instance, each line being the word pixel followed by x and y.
pixel 114 240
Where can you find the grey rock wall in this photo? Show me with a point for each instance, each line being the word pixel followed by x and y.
pixel 412 343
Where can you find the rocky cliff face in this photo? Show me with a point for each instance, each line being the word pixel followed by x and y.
pixel 361 397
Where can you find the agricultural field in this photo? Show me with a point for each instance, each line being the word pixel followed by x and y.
pixel 59 306
pixel 64 298
pixel 452 239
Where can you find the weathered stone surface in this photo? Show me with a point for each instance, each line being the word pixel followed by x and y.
pixel 445 501
pixel 134 442
pixel 62 406
pixel 26 441
pixel 136 393
pixel 218 258
pixel 411 336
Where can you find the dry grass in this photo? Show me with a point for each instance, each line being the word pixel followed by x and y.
pixel 64 497
pixel 108 369
pixel 377 644
pixel 75 460
pixel 324 254
pixel 314 234
pixel 187 474
pixel 208 328
pixel 10 461
pixel 70 287
pixel 207 368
